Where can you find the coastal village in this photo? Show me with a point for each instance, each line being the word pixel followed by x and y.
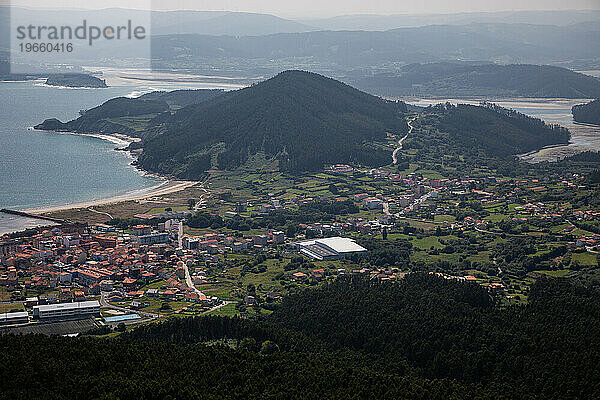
pixel 158 266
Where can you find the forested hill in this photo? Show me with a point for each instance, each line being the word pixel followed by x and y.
pixel 183 97
pixel 478 134
pixel 423 337
pixel 453 79
pixel 76 80
pixel 587 113
pixel 130 116
pixel 302 119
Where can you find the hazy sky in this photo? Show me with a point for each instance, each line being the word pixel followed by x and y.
pixel 324 8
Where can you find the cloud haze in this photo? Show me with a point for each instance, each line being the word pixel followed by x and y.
pixel 319 8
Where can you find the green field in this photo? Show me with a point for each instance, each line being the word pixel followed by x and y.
pixel 227 310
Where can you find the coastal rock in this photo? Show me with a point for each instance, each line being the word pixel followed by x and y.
pixel 76 80
pixel 51 124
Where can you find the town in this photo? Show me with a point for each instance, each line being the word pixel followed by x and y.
pixel 230 254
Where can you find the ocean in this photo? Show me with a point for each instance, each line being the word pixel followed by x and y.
pixel 40 169
pixel 44 169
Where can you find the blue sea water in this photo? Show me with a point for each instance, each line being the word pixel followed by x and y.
pixel 39 169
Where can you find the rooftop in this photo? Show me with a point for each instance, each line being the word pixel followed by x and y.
pixel 68 306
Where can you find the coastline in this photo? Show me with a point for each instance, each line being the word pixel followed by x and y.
pixel 166 187
pixel 116 138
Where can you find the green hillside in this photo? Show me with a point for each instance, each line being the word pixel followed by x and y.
pixel 587 113
pixel 468 137
pixel 304 120
pixel 130 116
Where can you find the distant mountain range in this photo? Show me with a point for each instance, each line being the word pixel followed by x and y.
pixel 246 23
pixel 345 43
pixel 373 22
pixel 481 80
pixel 166 22
pixel 350 53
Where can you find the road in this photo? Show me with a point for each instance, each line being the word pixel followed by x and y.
pixel 410 129
pixel 420 200
pixel 202 199
pixel 100 212
pixel 188 280
pixel 386 205
pixel 224 303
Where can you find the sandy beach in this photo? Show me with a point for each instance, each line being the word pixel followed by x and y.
pixel 167 187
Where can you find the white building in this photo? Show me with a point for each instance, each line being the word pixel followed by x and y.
pixel 13 318
pixel 80 309
pixel 330 248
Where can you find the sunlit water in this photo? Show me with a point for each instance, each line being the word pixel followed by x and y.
pixel 41 169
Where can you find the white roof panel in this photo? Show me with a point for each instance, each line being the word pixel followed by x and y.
pixel 341 245
pixel 68 306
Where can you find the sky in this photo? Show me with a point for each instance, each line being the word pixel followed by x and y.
pixel 321 8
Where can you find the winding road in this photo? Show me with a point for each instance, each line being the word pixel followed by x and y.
pixel 202 199
pixel 410 129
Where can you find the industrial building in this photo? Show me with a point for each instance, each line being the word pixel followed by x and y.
pixel 329 248
pixel 14 318
pixel 80 309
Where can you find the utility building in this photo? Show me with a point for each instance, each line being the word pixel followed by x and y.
pixel 329 248
pixel 77 310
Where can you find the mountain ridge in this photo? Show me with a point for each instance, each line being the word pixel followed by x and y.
pixel 454 79
pixel 302 119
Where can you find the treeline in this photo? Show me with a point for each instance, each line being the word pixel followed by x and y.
pixel 422 337
pixel 464 139
pixel 453 330
pixel 587 113
pixel 87 368
pixel 318 211
pixel 495 130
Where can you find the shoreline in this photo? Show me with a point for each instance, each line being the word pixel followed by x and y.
pixel 115 138
pixel 167 187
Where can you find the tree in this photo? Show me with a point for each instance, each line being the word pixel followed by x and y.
pixel 268 347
